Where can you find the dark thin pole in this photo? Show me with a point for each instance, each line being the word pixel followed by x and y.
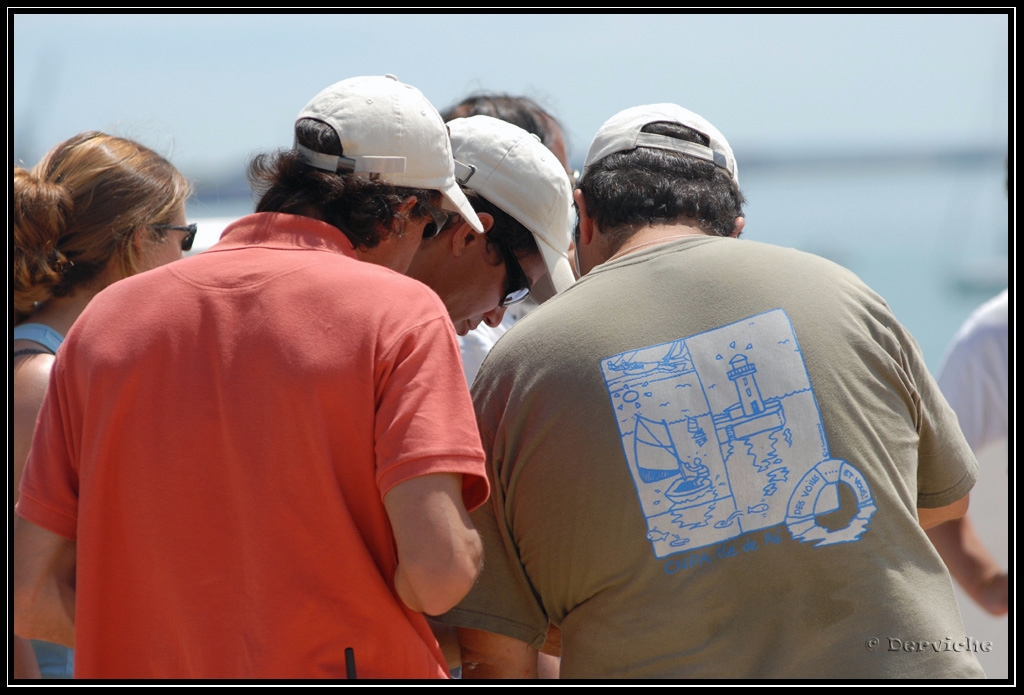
pixel 350 663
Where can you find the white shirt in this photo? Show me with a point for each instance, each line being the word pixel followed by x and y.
pixel 975 374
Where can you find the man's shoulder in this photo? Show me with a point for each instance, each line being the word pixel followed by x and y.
pixel 793 258
pixel 544 323
pixel 336 285
pixel 994 312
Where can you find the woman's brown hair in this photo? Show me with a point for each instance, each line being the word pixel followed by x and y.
pixel 79 209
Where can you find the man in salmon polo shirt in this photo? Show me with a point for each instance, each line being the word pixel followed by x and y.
pixel 258 461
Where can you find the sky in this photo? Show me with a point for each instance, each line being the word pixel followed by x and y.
pixel 210 90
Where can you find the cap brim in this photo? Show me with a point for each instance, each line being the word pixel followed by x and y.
pixel 457 202
pixel 559 276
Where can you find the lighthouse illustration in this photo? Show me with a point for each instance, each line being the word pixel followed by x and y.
pixel 752 414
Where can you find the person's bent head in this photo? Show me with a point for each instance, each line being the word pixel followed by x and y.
pixel 96 209
pixel 372 158
pixel 659 165
pixel 517 110
pixel 523 196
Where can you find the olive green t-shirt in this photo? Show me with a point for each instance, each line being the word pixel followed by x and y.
pixel 706 459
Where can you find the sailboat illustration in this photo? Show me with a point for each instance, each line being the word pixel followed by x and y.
pixel 657 458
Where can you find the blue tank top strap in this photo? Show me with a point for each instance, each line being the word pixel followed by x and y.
pixel 38 333
pixel 55 660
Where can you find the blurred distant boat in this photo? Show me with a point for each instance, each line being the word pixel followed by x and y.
pixel 986 275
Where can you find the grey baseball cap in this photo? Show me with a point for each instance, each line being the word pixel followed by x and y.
pixel 622 132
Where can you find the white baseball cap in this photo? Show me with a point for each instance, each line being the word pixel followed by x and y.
pixel 513 170
pixel 623 132
pixel 390 129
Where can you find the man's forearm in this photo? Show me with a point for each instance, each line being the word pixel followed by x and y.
pixel 971 564
pixel 439 551
pixel 930 517
pixel 433 597
pixel 44 584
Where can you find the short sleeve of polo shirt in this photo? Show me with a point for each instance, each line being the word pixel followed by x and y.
pixel 425 422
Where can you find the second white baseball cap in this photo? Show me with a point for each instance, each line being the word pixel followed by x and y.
pixel 512 169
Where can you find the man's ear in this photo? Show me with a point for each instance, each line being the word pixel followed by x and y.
pixel 400 216
pixel 586 222
pixel 463 236
pixel 738 228
pixel 405 207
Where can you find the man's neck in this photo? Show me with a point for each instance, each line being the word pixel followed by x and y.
pixel 655 235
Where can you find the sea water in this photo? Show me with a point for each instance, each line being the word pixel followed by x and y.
pixel 931 240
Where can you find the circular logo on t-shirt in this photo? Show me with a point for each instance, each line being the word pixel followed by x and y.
pixel 832 503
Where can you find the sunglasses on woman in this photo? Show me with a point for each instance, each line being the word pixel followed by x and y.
pixel 190 233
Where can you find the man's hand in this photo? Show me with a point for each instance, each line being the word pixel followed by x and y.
pixel 448 640
pixel 488 655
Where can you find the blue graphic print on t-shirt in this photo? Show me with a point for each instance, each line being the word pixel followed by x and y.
pixel 723 436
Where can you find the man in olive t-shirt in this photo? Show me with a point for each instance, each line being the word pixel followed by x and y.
pixel 710 457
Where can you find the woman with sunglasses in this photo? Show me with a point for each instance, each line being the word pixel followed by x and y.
pixel 96 209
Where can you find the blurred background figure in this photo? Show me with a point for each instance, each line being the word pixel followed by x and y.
pixel 96 209
pixel 517 110
pixel 531 117
pixel 975 379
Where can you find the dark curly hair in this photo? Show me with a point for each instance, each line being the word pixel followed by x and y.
pixel 358 206
pixel 629 190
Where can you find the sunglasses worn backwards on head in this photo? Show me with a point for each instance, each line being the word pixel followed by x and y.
pixel 441 219
pixel 440 222
pixel 190 233
pixel 517 287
